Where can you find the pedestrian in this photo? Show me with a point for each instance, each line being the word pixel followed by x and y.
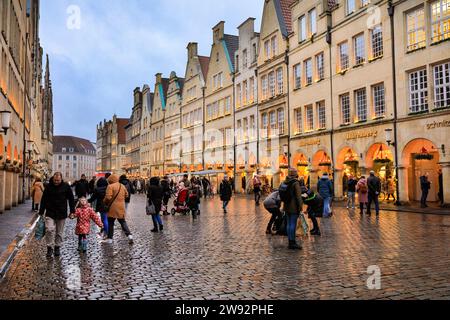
pixel 36 194
pixel 390 184
pixel 205 184
pixel 374 187
pixel 351 192
pixel 138 186
pixel 84 214
pixel 185 180
pixel 116 193
pixel 325 189
pixel 441 187
pixel 98 197
pixel 81 187
pixel 92 185
pixel 225 192
pixel 155 195
pixel 315 208
pixel 363 193
pixel 273 205
pixel 291 197
pixel 194 200
pixel 345 179
pixel 129 187
pixel 425 185
pixel 257 184
pixel 57 197
pixel 165 184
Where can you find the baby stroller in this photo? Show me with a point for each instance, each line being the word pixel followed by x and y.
pixel 181 203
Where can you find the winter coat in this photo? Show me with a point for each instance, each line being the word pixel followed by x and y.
pixel 351 185
pixel 129 187
pixel 226 191
pixel 425 184
pixel 273 201
pixel 363 197
pixel 117 208
pixel 38 192
pixel 155 194
pixel 99 195
pixel 315 205
pixel 54 201
pixel 92 186
pixel 325 187
pixel 374 185
pixel 81 188
pixel 84 217
pixel 295 205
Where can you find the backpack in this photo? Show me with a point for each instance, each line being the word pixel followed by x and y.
pixel 363 188
pixel 285 192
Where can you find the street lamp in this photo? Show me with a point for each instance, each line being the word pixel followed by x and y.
pixel 389 139
pixel 5 120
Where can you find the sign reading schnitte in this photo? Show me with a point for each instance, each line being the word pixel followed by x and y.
pixel 309 143
pixel 361 134
pixel 438 124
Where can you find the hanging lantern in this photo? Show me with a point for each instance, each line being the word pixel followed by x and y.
pixel 326 161
pixel 424 155
pixel 284 163
pixel 351 158
pixel 302 162
pixel 381 157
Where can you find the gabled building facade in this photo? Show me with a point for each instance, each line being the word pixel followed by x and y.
pixel 145 158
pixel 133 133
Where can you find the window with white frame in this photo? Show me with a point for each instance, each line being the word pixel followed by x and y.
pixel 264 124
pixel 378 96
pixel 273 122
pixel 442 85
pixel 350 7
pixel 244 93
pixel 265 87
pixel 302 28
pixel 239 131
pixel 245 129
pixel 418 91
pixel 308 72
pixel 297 76
pixel 360 49
pixel 281 121
pixel 440 20
pixel 227 105
pixel 274 43
pixel 280 84
pixel 376 36
pixel 239 95
pixel 345 109
pixel 321 115
pixel 252 127
pixel 415 23
pixel 361 104
pixel 267 49
pixel 309 121
pixel 343 56
pixel 252 90
pixel 320 70
pixel 272 83
pixel 298 120
pixel 312 22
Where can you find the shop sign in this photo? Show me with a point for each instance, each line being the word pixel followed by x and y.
pixel 307 143
pixel 361 135
pixel 438 124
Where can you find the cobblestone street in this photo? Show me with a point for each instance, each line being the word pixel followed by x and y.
pixel 230 257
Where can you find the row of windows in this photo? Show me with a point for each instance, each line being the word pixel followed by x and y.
pixel 220 138
pixel 218 109
pixel 305 78
pixel 245 59
pixel 246 129
pixel 245 93
pixel 192 118
pixel 307 113
pixel 273 123
pixel 75 158
pixel 272 84
pixel 157 133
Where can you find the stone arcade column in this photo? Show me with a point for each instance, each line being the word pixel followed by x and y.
pixel 403 185
pixel 338 187
pixel 314 175
pixel 15 193
pixel 8 190
pixel 446 182
pixel 2 191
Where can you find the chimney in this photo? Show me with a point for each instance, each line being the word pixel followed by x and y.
pixel 192 49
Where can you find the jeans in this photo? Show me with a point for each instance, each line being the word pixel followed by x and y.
pixel 423 200
pixel 104 216
pixel 275 213
pixel 292 225
pixel 351 198
pixel 373 198
pixel 326 207
pixel 54 232
pixel 257 195
pixel 156 220
pixel 123 224
pixel 225 204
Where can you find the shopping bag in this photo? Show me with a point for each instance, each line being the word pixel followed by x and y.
pixel 150 209
pixel 40 229
pixel 304 223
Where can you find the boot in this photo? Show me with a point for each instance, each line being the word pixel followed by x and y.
pixel 155 229
pixel 57 252
pixel 293 245
pixel 49 252
pixel 161 227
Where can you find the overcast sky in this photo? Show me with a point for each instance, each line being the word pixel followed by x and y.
pixel 118 45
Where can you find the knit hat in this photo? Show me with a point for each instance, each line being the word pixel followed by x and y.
pixel 293 173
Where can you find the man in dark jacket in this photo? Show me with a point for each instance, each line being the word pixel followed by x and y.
pixel 54 205
pixel 374 186
pixel 82 187
pixel 325 189
pixel 98 195
pixel 205 184
pixel 155 196
pixel 92 184
pixel 425 185
pixel 226 192
pixel 130 189
pixel 292 205
pixel 165 184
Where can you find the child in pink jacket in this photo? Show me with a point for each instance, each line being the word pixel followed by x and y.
pixel 84 213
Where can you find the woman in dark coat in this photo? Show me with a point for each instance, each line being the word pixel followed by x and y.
pixel 226 191
pixel 155 195
pixel 98 196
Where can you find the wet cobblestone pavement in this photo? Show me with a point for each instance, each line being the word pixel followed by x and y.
pixel 229 256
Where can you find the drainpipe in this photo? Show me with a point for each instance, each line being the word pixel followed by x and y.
pixel 203 129
pixel 391 11
pixel 329 40
pixel 257 119
pixel 234 131
pixel 288 105
pixel 25 91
